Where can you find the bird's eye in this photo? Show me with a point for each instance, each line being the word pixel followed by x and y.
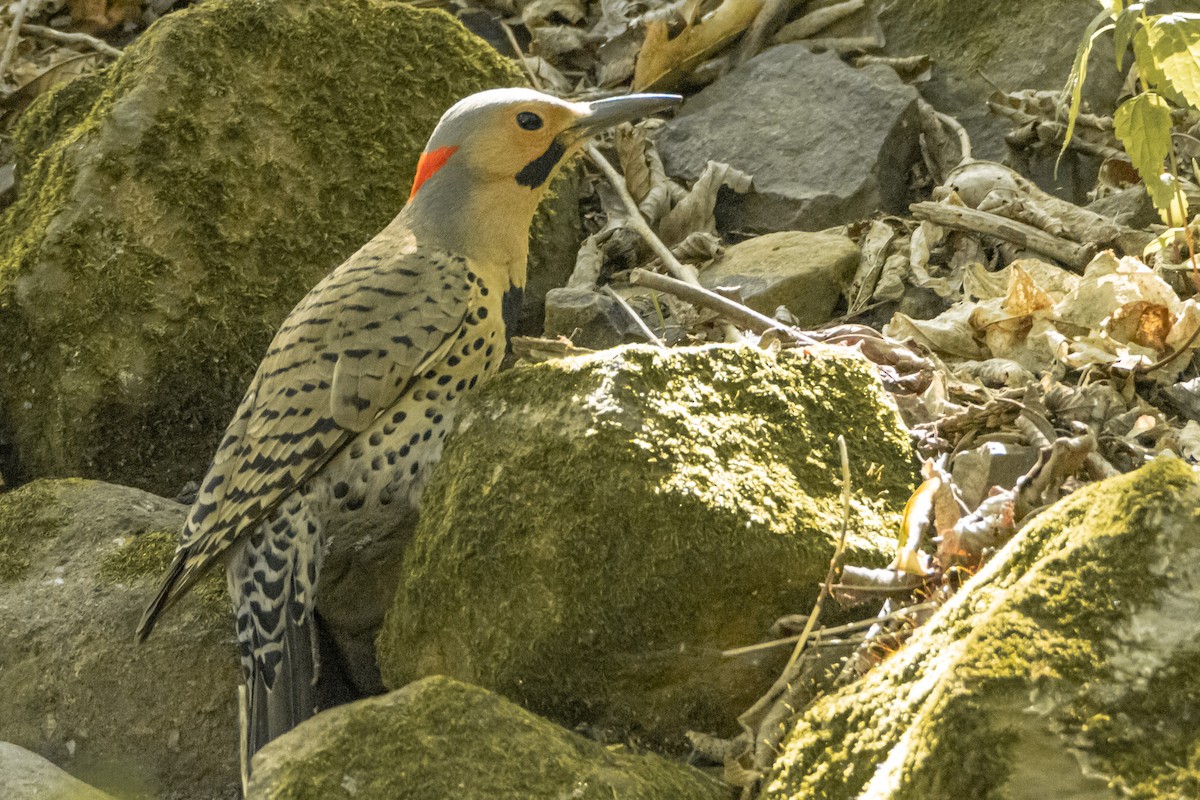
pixel 529 120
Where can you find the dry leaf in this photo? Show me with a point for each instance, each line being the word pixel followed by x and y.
pixel 694 212
pixel 540 12
pixel 665 60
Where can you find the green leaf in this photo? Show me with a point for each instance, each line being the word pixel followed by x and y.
pixel 1143 124
pixel 1174 41
pixel 1123 31
pixel 1079 74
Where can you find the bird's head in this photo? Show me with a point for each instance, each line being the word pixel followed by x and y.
pixel 492 155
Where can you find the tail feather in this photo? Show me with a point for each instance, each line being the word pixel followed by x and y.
pixel 168 592
pixel 278 702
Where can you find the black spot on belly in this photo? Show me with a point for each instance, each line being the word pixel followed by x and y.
pixel 341 489
pixel 398 417
pixel 376 439
pixel 354 504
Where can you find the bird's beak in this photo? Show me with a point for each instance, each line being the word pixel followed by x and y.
pixel 602 114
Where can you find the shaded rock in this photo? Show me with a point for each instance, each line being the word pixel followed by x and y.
pixel 601 527
pixel 28 776
pixel 173 208
pixel 826 143
pixel 438 738
pixel 78 562
pixel 804 272
pixel 1065 668
pixel 978 45
pixel 588 318
pixel 991 464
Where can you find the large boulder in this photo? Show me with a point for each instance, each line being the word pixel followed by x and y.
pixel 78 562
pixel 1065 668
pixel 825 143
pixel 173 208
pixel 601 527
pixel 438 738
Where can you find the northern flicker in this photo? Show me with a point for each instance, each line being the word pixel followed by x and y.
pixel 349 409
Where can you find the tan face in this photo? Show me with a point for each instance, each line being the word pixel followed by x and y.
pixel 522 143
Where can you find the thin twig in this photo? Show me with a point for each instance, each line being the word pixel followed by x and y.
pixel 964 138
pixel 769 706
pixel 849 627
pixel 705 298
pixel 636 317
pixel 827 588
pixel 512 40
pixel 1018 233
pixel 683 272
pixel 62 37
pixel 14 36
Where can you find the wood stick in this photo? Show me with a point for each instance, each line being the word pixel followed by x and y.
pixel 697 295
pixel 1018 233
pixel 10 44
pixel 684 273
pixel 62 37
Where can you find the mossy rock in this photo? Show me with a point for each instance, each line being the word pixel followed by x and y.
pixel 173 209
pixel 599 528
pixel 1065 668
pixel 439 738
pixel 152 721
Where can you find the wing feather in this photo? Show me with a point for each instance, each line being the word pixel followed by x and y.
pixel 347 353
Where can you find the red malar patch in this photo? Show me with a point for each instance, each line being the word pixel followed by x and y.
pixel 428 164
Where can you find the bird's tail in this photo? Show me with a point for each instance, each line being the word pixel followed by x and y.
pixel 271 583
pixel 272 705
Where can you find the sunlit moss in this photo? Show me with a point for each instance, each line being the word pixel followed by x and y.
pixel 600 527
pixel 1072 642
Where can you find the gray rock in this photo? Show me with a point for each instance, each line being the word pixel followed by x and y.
pixel 28 776
pixel 438 738
pixel 978 45
pixel 78 562
pixel 826 143
pixel 991 464
pixel 588 318
pixel 803 272
pixel 602 527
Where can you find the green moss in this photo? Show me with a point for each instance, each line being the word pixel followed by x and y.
pixel 439 738
pixel 27 516
pixel 148 555
pixel 600 527
pixel 173 208
pixel 1057 617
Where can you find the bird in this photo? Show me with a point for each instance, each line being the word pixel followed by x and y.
pixel 347 413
